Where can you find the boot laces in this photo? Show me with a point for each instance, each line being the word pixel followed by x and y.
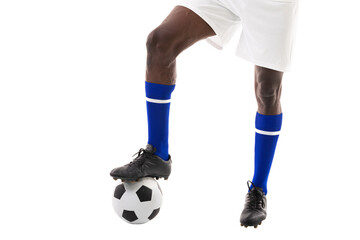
pixel 139 159
pixel 255 196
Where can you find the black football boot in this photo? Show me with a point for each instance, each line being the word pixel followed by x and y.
pixel 255 207
pixel 146 164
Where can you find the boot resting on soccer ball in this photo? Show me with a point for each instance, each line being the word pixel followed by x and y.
pixel 146 164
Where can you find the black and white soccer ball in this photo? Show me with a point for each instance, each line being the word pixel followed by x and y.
pixel 137 202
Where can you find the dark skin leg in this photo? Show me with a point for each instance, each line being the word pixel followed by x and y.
pixel 181 29
pixel 268 90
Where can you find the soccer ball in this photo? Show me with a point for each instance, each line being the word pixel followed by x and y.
pixel 137 202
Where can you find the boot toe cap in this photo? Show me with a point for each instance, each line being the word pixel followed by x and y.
pixel 250 218
pixel 117 172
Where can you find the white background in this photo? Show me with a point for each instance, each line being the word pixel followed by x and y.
pixel 72 107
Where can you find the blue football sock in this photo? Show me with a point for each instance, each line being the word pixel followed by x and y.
pixel 267 128
pixel 158 106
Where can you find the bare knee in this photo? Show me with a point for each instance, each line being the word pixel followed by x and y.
pixel 268 90
pixel 161 57
pixel 160 45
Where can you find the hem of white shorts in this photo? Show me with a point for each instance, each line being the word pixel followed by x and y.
pixel 214 44
pixel 276 67
pixel 207 20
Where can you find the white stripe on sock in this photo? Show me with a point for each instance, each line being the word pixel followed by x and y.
pixel 157 100
pixel 267 132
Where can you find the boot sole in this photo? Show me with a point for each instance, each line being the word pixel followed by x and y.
pixel 255 226
pixel 137 179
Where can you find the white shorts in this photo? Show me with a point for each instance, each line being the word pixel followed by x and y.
pixel 268 28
